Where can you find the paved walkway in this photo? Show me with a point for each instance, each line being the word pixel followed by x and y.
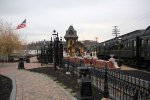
pixel 34 86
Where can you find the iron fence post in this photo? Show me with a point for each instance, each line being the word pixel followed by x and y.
pixel 68 64
pixel 41 58
pixel 60 53
pixel 106 92
pixel 51 51
pixel 44 55
pixel 55 68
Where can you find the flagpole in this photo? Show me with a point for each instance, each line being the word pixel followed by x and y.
pixel 23 25
pixel 26 38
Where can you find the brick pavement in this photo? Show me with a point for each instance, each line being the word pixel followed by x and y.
pixel 34 86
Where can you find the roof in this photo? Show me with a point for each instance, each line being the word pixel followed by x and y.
pixel 126 37
pixel 147 31
pixel 71 33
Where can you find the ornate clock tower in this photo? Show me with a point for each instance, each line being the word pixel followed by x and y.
pixel 71 38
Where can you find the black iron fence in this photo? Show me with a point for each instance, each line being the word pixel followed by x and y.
pixel 51 52
pixel 120 86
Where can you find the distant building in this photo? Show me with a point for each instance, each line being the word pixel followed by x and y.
pixel 73 46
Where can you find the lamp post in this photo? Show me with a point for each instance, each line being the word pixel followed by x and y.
pixel 56 49
pixel 54 37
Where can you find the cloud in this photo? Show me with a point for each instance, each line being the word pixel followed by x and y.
pixel 94 18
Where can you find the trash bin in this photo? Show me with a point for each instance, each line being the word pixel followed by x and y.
pixel 21 64
pixel 85 89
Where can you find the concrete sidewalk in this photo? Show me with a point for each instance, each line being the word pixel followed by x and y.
pixel 35 86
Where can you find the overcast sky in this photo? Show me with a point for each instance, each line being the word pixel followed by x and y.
pixel 90 18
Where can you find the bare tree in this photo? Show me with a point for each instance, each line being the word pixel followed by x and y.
pixel 9 40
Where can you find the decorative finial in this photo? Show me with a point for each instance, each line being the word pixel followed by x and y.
pixel 54 31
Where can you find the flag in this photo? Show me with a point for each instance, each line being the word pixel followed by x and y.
pixel 22 25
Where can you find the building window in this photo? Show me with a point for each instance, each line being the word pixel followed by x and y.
pixel 142 42
pixel 148 42
pixel 128 45
pixel 134 43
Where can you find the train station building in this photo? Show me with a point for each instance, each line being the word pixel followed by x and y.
pixel 73 46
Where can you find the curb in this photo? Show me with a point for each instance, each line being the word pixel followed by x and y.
pixel 13 92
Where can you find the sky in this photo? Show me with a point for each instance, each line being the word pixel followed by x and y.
pixel 90 18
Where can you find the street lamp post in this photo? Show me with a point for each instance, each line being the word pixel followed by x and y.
pixel 54 37
pixel 56 49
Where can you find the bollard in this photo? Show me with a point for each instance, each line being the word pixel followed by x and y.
pixel 21 64
pixel 85 86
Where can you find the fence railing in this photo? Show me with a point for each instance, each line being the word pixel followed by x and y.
pixel 120 86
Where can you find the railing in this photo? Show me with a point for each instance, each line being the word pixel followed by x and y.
pixel 120 86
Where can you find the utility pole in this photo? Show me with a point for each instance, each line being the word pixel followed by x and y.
pixel 116 31
pixel 118 43
pixel 96 38
pixel 96 44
